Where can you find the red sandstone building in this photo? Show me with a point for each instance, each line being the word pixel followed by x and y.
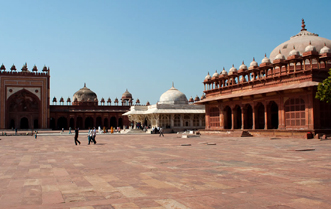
pixel 25 98
pixel 276 95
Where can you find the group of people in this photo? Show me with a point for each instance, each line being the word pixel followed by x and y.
pixel 90 135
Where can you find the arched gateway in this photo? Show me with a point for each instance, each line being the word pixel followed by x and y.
pixel 22 110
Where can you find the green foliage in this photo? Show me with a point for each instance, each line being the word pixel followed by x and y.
pixel 324 90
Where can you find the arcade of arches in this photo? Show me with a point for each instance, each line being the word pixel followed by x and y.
pixel 88 121
pixel 287 112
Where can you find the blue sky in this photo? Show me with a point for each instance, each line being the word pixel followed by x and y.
pixel 145 45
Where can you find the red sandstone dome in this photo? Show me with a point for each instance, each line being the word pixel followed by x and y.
pixel 84 94
pixel 126 95
pixel 300 41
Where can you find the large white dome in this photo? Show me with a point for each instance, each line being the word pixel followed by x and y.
pixel 300 42
pixel 173 96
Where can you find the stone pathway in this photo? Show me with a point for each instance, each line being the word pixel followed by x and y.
pixel 150 172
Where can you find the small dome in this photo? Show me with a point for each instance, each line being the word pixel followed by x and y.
pixel 203 97
pixel 116 100
pixel 224 73
pixel 325 49
pixel 147 103
pixel 243 66
pixel 173 96
pixel 126 95
pixel 253 63
pixel 280 56
pixel 207 77
pixel 196 98
pixel 294 52
pixel 84 94
pixel 137 101
pixel 2 67
pixel 191 99
pixel 215 75
pixel 68 100
pixel 310 48
pixel 35 69
pixel 265 59
pixel 232 70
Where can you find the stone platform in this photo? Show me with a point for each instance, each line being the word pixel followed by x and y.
pixel 152 172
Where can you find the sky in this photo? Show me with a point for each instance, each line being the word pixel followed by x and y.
pixel 145 45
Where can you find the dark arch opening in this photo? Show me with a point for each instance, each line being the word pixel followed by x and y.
pixel 113 122
pixel 259 118
pixel 35 124
pixel 72 123
pixel 98 122
pixel 248 117
pixel 120 123
pixel 227 118
pixel 24 123
pixel 52 123
pixel 12 123
pixel 62 123
pixel 79 122
pixel 273 112
pixel 89 123
pixel 237 117
pixel 105 122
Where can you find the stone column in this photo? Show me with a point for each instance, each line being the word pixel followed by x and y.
pixel 265 116
pixel 181 120
pixel 253 115
pixel 232 119
pixel 242 118
pixel 172 120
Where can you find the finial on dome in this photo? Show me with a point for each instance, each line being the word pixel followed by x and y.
pixel 279 52
pixel 84 84
pixel 243 62
pixel 174 85
pixel 303 25
pixel 253 58
pixel 232 65
pixel 265 55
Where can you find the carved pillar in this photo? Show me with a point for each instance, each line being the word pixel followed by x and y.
pixel 220 107
pixel 181 120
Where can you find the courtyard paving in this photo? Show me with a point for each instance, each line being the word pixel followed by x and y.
pixel 150 172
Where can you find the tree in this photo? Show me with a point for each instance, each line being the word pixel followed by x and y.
pixel 324 90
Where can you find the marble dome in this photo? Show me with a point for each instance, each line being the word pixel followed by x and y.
pixel 84 94
pixel 300 41
pixel 173 96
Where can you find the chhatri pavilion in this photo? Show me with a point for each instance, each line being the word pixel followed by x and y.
pixel 173 113
pixel 275 96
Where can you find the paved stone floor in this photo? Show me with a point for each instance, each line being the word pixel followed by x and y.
pixel 148 172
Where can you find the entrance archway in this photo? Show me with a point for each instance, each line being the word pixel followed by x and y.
pixel 248 117
pixel 79 122
pixel 259 117
pixel 227 118
pixel 23 107
pixel 24 123
pixel 89 123
pixel 237 117
pixel 120 123
pixel 105 122
pixel 273 115
pixel 98 122
pixel 113 122
pixel 62 123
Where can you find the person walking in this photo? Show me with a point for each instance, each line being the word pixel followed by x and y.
pixel 161 132
pixel 94 134
pixel 89 136
pixel 76 136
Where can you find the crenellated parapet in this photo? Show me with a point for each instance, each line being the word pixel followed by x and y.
pixel 24 70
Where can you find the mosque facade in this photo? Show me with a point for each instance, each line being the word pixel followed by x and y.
pixel 277 95
pixel 173 113
pixel 25 104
